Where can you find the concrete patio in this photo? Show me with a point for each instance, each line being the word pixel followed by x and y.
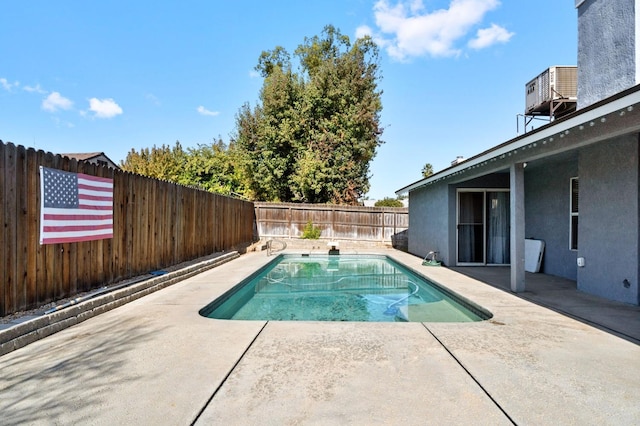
pixel 561 295
pixel 157 361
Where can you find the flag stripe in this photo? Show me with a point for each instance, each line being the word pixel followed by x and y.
pixel 75 207
pixel 101 188
pixel 106 200
pixel 60 228
pixel 78 213
pixel 88 221
pixel 95 205
pixel 96 180
pixel 75 239
pixel 78 233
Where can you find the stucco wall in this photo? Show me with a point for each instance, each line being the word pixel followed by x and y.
pixel 547 214
pixel 429 221
pixel 608 221
pixel 432 216
pixel 606 49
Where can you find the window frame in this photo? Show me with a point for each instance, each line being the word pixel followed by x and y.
pixel 574 213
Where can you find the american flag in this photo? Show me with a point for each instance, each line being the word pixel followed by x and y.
pixel 74 207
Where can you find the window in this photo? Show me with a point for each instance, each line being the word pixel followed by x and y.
pixel 573 214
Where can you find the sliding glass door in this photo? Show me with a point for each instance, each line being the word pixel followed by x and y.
pixel 483 227
pixel 470 227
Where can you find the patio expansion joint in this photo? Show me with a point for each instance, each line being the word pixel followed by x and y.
pixel 224 379
pixel 486 392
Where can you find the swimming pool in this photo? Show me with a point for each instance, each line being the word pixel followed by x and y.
pixel 372 288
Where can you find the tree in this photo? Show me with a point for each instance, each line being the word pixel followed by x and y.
pixel 162 163
pixel 210 167
pixel 314 133
pixel 267 137
pixel 427 170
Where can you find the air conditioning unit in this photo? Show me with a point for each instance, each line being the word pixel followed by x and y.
pixel 554 87
pixel 459 159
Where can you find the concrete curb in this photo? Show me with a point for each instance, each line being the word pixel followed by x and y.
pixel 29 331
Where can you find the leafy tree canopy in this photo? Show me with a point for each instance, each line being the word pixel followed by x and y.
pixel 162 162
pixel 314 132
pixel 209 167
pixel 427 170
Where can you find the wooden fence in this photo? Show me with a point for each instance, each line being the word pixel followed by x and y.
pixel 156 224
pixel 374 224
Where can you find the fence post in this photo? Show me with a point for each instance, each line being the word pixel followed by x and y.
pixel 333 222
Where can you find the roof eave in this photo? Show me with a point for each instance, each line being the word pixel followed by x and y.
pixel 593 112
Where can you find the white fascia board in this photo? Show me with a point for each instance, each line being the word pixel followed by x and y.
pixel 594 114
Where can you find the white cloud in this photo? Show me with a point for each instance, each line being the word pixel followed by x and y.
pixel 203 111
pixel 55 101
pixel 407 29
pixel 34 89
pixel 254 74
pixel 6 85
pixel 104 108
pixel 489 36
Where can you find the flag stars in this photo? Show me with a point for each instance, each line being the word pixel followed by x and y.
pixel 60 189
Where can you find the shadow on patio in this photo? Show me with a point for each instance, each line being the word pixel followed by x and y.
pixel 562 296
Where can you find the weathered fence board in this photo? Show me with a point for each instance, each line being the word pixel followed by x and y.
pixel 9 198
pixel 156 224
pixel 4 243
pixel 288 220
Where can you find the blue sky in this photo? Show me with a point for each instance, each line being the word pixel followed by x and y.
pixel 79 76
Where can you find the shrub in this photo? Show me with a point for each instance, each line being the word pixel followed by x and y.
pixel 389 202
pixel 311 232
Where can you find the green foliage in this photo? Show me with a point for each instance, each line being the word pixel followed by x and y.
pixel 210 167
pixel 427 170
pixel 162 163
pixel 311 232
pixel 314 133
pixel 389 202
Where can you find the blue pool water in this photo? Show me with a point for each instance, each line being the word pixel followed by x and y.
pixel 340 288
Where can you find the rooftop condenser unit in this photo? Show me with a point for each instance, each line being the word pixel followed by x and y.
pixel 553 93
